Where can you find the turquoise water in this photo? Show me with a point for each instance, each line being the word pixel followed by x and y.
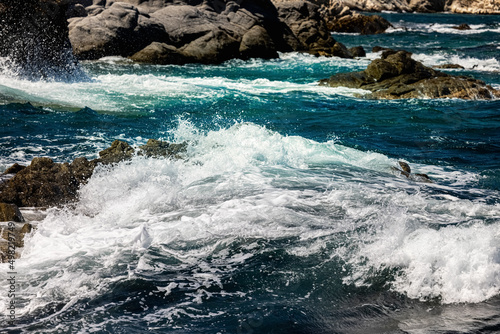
pixel 284 215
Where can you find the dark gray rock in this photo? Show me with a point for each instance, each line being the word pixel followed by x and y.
pixel 34 37
pixel 357 51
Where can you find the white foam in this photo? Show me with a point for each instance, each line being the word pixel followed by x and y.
pixel 469 63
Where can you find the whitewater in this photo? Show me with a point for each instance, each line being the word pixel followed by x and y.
pixel 285 214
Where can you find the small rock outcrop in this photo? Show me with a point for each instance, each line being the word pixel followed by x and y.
pixel 10 212
pixel 361 24
pixel 45 183
pixel 34 38
pixel 397 76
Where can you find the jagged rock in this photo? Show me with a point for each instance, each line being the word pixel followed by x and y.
pixel 118 30
pixel 449 66
pixel 186 31
pixel 357 51
pixel 45 183
pixel 34 37
pixel 463 26
pixel 15 168
pixel 118 151
pixel 157 148
pixel 10 212
pixel 361 24
pixel 397 76
pixel 307 24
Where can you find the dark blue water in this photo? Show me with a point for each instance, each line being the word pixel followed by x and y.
pixel 285 214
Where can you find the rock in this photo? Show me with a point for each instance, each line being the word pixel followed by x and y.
pixel 180 32
pixel 157 148
pixel 397 76
pixel 421 6
pixel 161 54
pixel 12 238
pixel 310 29
pixel 118 151
pixel 15 168
pixel 449 66
pixel 10 212
pixel 34 37
pixel 357 51
pixel 45 183
pixel 256 43
pixel 118 30
pixel 379 48
pixel 462 26
pixel 361 24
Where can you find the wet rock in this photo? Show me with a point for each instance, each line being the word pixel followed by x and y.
pixel 15 168
pixel 10 212
pixel 180 32
pixel 361 24
pixel 11 239
pixel 34 37
pixel 117 30
pixel 463 26
pixel 157 148
pixel 357 51
pixel 118 151
pixel 397 76
pixel 449 66
pixel 310 29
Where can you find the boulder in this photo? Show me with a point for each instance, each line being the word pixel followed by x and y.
pixel 180 32
pixel 10 212
pixel 14 169
pixel 361 24
pixel 397 76
pixel 310 29
pixel 117 30
pixel 34 37
pixel 357 51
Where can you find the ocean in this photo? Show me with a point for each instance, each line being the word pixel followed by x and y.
pixel 284 215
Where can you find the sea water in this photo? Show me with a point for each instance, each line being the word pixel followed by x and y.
pixel 284 215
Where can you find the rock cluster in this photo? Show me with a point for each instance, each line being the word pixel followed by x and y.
pixel 397 76
pixel 191 31
pixel 422 6
pixel 34 37
pixel 46 183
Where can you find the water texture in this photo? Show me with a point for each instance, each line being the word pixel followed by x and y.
pixel 284 214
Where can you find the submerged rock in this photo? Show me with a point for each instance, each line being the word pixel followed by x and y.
pixel 397 76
